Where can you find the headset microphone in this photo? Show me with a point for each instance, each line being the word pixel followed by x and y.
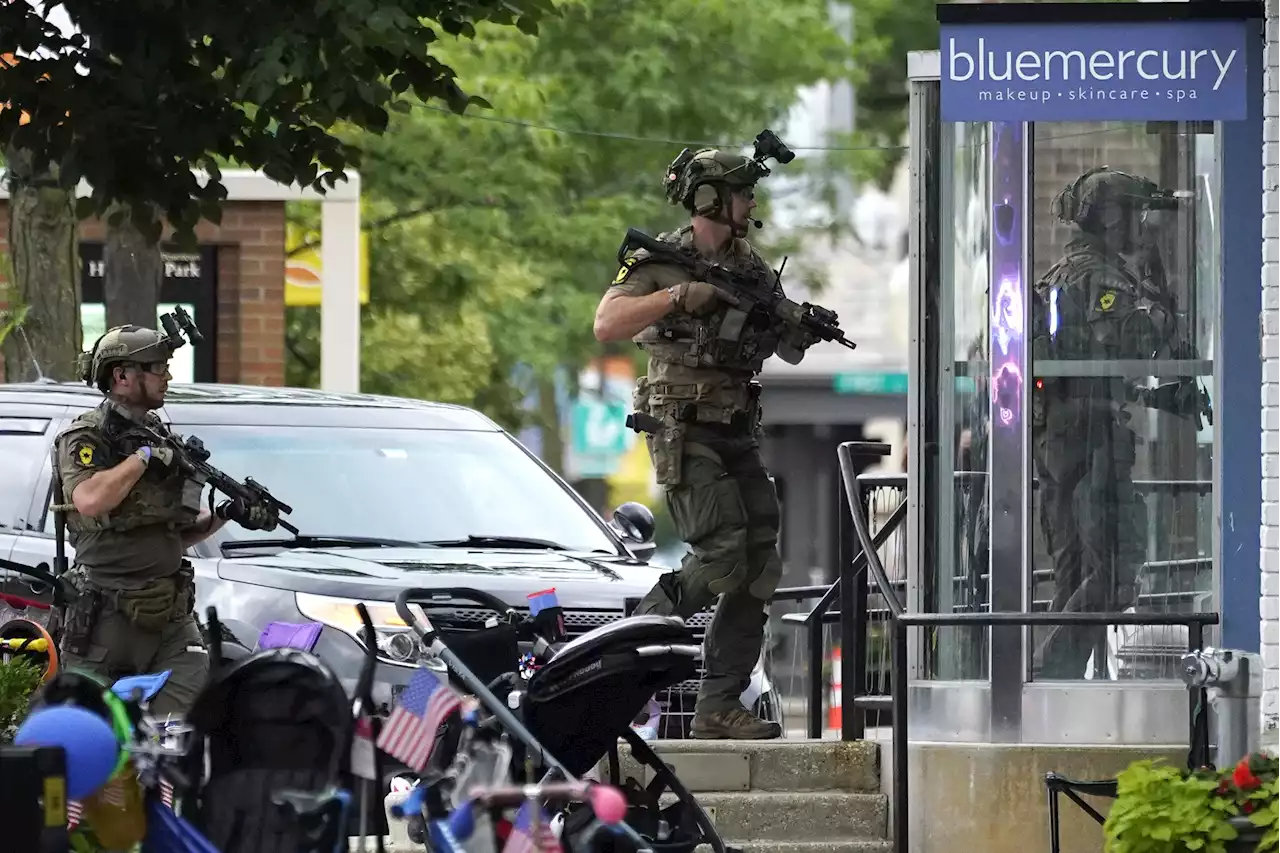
pixel 756 222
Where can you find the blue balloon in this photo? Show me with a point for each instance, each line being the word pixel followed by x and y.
pixel 89 743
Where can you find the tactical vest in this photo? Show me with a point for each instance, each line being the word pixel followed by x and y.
pixel 166 497
pixel 727 339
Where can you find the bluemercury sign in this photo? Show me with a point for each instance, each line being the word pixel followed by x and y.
pixel 1150 71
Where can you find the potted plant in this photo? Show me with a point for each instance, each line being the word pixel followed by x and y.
pixel 19 679
pixel 1162 809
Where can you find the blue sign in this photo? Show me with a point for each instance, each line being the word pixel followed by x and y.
pixel 1151 71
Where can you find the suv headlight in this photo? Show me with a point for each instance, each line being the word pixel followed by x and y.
pixel 396 641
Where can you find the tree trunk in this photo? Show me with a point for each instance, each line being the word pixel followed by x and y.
pixel 552 442
pixel 133 269
pixel 45 290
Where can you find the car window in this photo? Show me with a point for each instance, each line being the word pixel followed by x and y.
pixel 23 450
pixel 417 485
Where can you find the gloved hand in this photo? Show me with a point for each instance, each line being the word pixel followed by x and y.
pixel 155 457
pixel 253 517
pixel 695 297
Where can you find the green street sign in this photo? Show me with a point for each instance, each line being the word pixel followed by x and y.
pixel 870 383
pixel 599 428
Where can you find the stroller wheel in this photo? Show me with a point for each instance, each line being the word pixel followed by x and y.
pixel 416 828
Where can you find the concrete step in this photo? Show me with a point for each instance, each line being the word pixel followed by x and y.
pixel 806 846
pixel 779 765
pixel 814 816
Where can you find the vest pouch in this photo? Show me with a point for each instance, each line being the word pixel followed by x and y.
pixel 667 450
pixel 81 620
pixel 150 609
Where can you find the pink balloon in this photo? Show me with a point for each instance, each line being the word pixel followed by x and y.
pixel 609 804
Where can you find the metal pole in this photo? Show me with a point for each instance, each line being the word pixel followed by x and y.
pixel 851 649
pixel 901 833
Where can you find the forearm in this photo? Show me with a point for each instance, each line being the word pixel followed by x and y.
pixel 105 490
pixel 621 318
pixel 206 524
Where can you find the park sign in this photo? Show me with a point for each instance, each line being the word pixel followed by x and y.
pixel 1169 70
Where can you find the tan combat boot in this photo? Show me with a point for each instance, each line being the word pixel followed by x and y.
pixel 734 724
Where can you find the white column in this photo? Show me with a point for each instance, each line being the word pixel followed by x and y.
pixel 340 293
pixel 1270 604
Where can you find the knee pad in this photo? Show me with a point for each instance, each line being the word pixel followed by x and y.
pixel 766 580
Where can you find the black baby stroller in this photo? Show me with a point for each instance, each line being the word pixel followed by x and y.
pixel 578 704
pixel 273 734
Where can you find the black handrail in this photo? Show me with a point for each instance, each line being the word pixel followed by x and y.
pixel 902 621
pixel 852 593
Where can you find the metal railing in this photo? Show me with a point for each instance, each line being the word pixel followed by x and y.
pixel 849 592
pixel 903 621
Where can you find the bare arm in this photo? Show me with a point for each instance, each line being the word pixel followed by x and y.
pixel 104 491
pixel 620 317
pixel 206 524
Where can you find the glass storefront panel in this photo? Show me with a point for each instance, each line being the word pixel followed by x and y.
pixel 1122 292
pixel 1124 301
pixel 962 583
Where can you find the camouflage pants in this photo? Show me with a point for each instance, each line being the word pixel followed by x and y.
pixel 726 509
pixel 1095 526
pixel 117 648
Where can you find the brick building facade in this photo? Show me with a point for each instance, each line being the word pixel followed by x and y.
pixel 1270 602
pixel 250 245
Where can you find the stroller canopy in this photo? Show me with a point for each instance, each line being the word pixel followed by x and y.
pixel 581 702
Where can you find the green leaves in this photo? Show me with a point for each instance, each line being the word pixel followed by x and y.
pixel 1161 809
pixel 504 232
pixel 265 87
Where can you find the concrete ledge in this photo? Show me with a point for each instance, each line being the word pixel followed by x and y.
pixel 991 797
pixel 781 765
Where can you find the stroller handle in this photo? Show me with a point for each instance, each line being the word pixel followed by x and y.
pixel 56 584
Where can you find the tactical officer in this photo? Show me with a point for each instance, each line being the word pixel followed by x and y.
pixel 700 385
pixel 131 512
pixel 1107 299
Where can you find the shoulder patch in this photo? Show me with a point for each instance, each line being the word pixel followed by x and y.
pixel 624 270
pixel 82 452
pixel 1107 300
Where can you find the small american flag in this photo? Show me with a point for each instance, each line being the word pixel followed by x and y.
pixel 75 811
pixel 523 837
pixel 409 734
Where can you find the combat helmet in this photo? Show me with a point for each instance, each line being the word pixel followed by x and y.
pixel 701 181
pixel 123 345
pixel 1103 195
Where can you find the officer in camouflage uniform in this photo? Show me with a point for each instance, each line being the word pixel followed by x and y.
pixel 700 384
pixel 1107 299
pixel 131 512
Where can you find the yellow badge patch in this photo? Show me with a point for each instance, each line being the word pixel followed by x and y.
pixel 84 455
pixel 1106 300
pixel 624 271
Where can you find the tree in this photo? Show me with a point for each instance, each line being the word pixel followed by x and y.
pixel 515 226
pixel 134 96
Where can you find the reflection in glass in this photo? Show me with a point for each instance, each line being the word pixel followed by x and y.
pixel 961 582
pixel 1121 349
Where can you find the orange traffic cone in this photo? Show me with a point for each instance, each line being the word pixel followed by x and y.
pixel 833 707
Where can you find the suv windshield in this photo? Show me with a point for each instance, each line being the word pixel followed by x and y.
pixel 416 485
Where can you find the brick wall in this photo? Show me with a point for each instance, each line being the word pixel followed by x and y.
pixel 1062 152
pixel 250 244
pixel 1270 606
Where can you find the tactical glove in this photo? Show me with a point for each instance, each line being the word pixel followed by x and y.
pixel 695 297
pixel 255 517
pixel 155 457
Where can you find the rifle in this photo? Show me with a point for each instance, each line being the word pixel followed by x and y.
pixel 192 457
pixel 738 288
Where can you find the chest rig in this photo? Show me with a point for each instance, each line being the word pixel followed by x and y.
pixel 161 497
pixel 727 339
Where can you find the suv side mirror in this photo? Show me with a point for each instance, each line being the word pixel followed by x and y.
pixel 635 522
